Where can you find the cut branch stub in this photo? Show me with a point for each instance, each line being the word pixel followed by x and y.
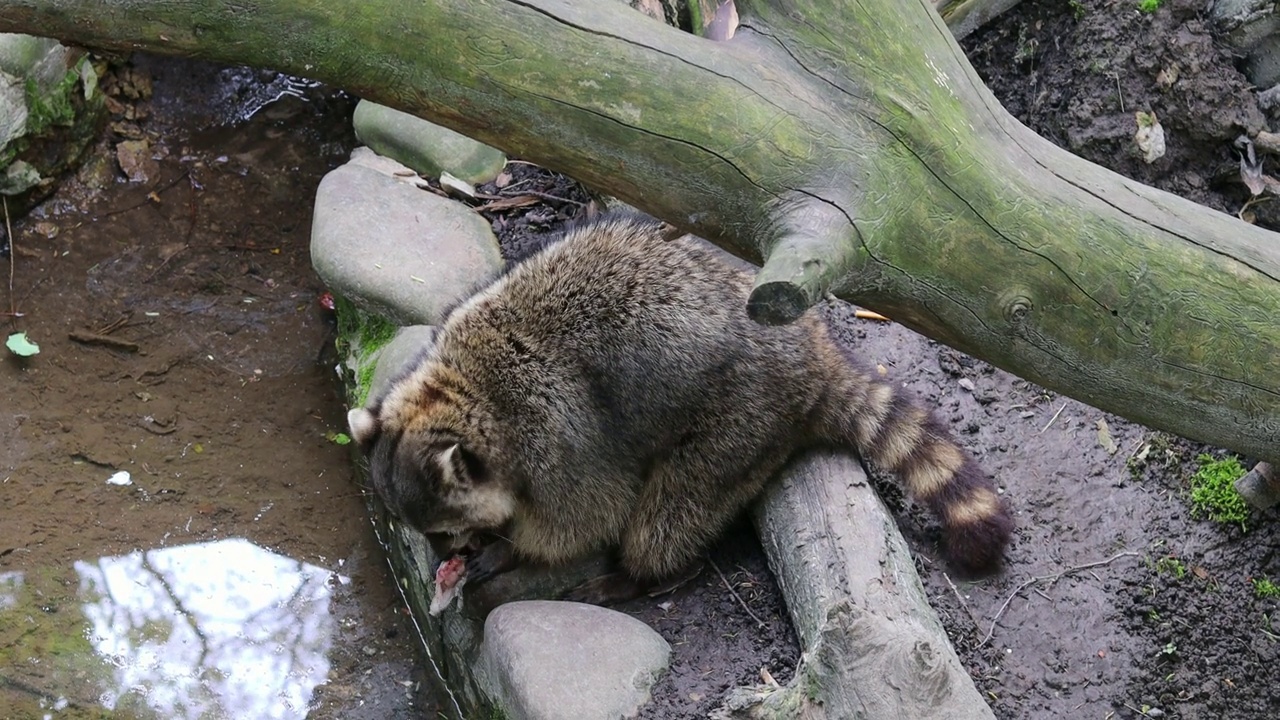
pixel 815 251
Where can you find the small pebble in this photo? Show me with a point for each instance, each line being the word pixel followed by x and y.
pixel 369 650
pixel 967 384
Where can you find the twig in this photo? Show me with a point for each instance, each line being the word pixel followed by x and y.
pixel 89 338
pixel 146 199
pixel 553 198
pixel 1054 418
pixel 116 325
pixel 507 203
pixel 1052 579
pixel 163 263
pixel 963 604
pixel 742 602
pixel 13 260
pixel 1250 202
pixel 511 196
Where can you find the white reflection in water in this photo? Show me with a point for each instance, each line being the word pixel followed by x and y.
pixel 223 629
pixel 10 584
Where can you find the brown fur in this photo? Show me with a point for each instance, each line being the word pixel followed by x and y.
pixel 611 391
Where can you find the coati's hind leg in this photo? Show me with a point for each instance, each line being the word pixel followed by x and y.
pixel 687 501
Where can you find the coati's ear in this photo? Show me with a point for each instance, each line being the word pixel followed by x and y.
pixel 460 467
pixel 363 425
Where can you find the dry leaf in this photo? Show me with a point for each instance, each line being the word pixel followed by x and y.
pixel 509 203
pixel 457 186
pixel 724 23
pixel 1150 136
pixel 1104 438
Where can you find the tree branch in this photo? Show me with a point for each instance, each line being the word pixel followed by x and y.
pixel 965 226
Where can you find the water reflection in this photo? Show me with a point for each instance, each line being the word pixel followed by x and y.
pixel 223 629
pixel 10 583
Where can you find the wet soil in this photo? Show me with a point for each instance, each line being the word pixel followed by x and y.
pixel 1077 72
pixel 237 575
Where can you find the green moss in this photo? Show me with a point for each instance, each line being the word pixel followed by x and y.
pixel 62 120
pixel 1264 588
pixel 375 332
pixel 1213 491
pixel 1149 6
pixel 1170 565
pixel 360 335
pixel 364 381
pixel 54 107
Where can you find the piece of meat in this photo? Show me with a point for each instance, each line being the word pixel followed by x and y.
pixel 450 577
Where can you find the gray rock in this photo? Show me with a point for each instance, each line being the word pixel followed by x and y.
pixel 391 359
pixel 426 147
pixel 366 157
pixel 24 57
pixel 396 250
pixel 44 136
pixel 545 660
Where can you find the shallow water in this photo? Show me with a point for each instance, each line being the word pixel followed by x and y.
pixel 235 575
pixel 218 629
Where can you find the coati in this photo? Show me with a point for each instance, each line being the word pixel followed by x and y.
pixel 611 391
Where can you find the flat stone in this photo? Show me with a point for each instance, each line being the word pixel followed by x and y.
pixel 424 146
pixel 397 250
pixel 548 660
pixel 393 358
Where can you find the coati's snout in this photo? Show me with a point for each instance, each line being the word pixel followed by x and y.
pixel 446 544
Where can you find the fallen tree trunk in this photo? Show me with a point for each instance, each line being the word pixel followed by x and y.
pixel 850 146
pixel 872 645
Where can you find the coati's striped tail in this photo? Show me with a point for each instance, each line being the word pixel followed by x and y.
pixel 899 436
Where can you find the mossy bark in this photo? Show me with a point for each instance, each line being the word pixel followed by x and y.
pixel 873 648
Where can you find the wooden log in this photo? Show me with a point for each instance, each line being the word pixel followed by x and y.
pixel 873 647
pixel 1260 486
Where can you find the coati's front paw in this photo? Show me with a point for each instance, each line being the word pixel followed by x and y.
pixel 606 590
pixel 493 559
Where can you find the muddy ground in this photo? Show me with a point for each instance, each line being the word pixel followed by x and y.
pixel 1140 606
pixel 215 391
